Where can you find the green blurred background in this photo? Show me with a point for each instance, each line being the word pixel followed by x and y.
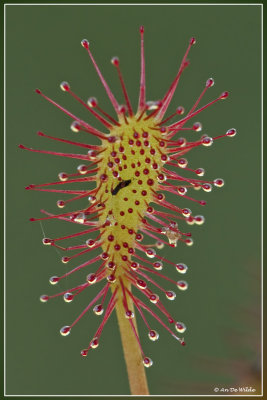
pixel 222 306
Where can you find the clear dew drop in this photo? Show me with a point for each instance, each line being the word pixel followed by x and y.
pixel 134 266
pixel 200 171
pixel 151 253
pixel 182 162
pixel 115 61
pixel 80 218
pixel 182 190
pixel 186 212
pixel 92 199
pixel 63 177
pixel 84 352
pixel 92 155
pixel 65 86
pixel 141 284
pixel 190 220
pixel 152 105
pixel 180 110
pixel 159 245
pixel 181 268
pixel 199 219
pixel 61 204
pixel 68 297
pixel 154 298
pixel 197 126
pixel 98 309
pixel 207 187
pixel 196 186
pixel 231 132
pixel 170 295
pixel 129 314
pixel 75 126
pixel 218 182
pixel 92 102
pixel 158 265
pixel 85 43
pixel 44 298
pixel 180 327
pixel 53 280
pixel 182 285
pixel 207 141
pixel 182 142
pixel 139 237
pixel 90 242
pixel 210 82
pixel 189 242
pixel 65 330
pixel 82 169
pixel 94 343
pixel 153 335
pixel 47 241
pixel 147 362
pixel 91 278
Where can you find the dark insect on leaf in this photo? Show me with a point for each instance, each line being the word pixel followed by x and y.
pixel 121 185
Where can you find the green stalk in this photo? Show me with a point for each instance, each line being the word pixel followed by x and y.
pixel 132 353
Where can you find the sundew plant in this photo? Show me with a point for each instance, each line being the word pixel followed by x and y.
pixel 123 182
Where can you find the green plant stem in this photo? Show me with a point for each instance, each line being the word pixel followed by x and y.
pixel 132 353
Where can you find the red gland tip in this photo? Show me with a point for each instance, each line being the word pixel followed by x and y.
pixel 183 343
pixel 112 139
pixel 192 40
pixel 39 133
pixel 115 61
pixel 231 132
pixel 180 110
pixel 38 91
pixel 44 298
pixel 31 219
pixel 92 102
pixel 197 126
pixel 224 95
pixel 75 126
pixel 20 146
pixel 147 362
pixel 65 86
pixel 210 82
pixel 122 109
pixel 84 352
pixel 85 43
pixel 141 29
